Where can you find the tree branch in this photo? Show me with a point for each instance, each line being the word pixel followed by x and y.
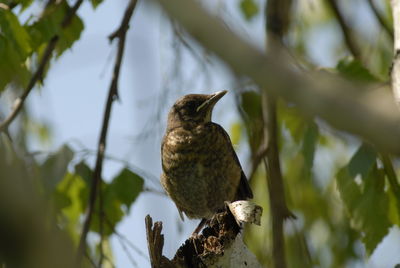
pixel 277 16
pixel 395 71
pixel 219 245
pixel 18 103
pixel 381 19
pixel 370 114
pixel 347 32
pixel 112 94
pixel 155 241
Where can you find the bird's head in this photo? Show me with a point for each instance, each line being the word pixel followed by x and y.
pixel 193 109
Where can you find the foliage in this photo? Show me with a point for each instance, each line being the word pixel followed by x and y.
pixel 338 202
pixel 249 8
pixel 65 189
pixel 22 43
pixel 342 198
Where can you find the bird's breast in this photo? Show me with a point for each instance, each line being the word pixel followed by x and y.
pixel 199 171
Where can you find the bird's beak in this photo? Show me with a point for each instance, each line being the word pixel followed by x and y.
pixel 212 100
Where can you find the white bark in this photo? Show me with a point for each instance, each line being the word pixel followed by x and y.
pixel 396 61
pixel 237 255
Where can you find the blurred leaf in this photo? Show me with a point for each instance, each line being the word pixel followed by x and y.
pixel 394 209
pixel 83 170
pixel 235 133
pixel 373 209
pixel 251 104
pixel 49 25
pixel 12 30
pixel 112 211
pixel 68 200
pixel 293 120
pixel 55 167
pixel 309 144
pixel 70 34
pixel 86 174
pixel 353 69
pixel 95 3
pixel 126 186
pixel 362 161
pixel 122 191
pixel 14 50
pixel 249 8
pixel 367 203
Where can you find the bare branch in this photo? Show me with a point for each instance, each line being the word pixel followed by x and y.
pixel 347 32
pixel 277 15
pixel 18 103
pixel 384 24
pixel 219 245
pixel 112 94
pixel 155 241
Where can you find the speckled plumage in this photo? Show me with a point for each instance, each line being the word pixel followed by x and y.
pixel 200 167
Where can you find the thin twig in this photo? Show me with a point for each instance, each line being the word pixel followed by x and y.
pixel 277 14
pixel 18 103
pixel 112 94
pixel 347 32
pixel 125 249
pixel 101 225
pixel 384 24
pixel 123 239
pixel 90 260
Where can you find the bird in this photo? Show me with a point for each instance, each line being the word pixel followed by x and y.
pixel 200 169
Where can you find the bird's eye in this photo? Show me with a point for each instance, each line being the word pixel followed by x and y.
pixel 192 106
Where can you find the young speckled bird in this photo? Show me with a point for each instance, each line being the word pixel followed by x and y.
pixel 200 167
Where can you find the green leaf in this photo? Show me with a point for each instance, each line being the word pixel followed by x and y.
pixel 249 8
pixel 112 211
pixel 55 167
pixel 367 205
pixel 14 50
pixel 373 218
pixel 353 69
pixel 362 161
pixel 293 120
pixel 394 208
pixel 126 186
pixel 95 3
pixel 69 35
pixel 122 191
pixel 83 170
pixel 49 25
pixel 68 200
pixel 251 104
pixel 12 30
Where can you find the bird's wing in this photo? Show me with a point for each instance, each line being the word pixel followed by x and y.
pixel 162 165
pixel 244 191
